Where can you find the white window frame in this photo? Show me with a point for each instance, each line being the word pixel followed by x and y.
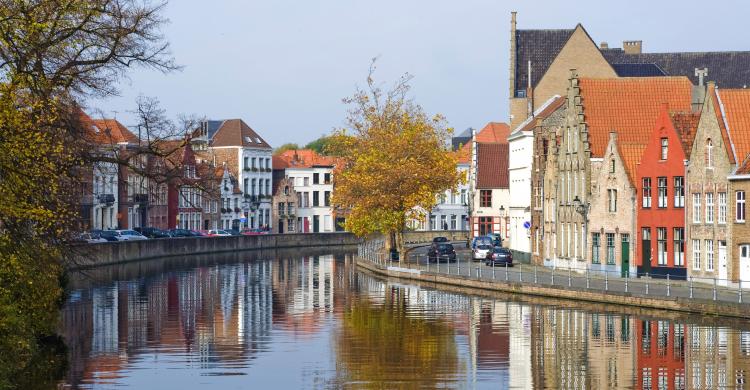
pixel 696 255
pixel 740 206
pixel 661 246
pixel 647 192
pixel 709 255
pixel 661 191
pixel 679 246
pixel 696 208
pixel 709 207
pixel 722 208
pixel 679 191
pixel 664 148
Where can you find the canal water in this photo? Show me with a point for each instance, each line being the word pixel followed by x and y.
pixel 293 320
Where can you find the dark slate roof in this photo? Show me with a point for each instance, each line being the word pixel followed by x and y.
pixel 729 69
pixel 540 47
pixel 638 70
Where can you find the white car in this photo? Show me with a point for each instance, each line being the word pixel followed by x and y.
pixel 91 238
pixel 129 235
pixel 480 252
pixel 218 233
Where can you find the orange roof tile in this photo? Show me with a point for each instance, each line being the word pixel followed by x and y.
pixel 686 125
pixel 301 158
pixel 494 132
pixel 118 132
pixel 631 153
pixel 629 106
pixel 719 111
pixel 744 168
pixel 736 104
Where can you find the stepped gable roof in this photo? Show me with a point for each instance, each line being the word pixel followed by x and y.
pixel 118 133
pixel 492 165
pixel 686 125
pixel 736 109
pixel 301 158
pixel 541 47
pixel 729 69
pixel 631 154
pixel 235 132
pixel 629 106
pixel 638 70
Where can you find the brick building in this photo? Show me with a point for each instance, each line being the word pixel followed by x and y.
pixel 491 191
pixel 661 188
pixel 285 206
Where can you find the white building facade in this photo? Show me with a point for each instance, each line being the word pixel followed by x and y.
pixel 104 210
pixel 314 186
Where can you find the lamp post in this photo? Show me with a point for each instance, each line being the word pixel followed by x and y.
pixel 502 220
pixel 583 209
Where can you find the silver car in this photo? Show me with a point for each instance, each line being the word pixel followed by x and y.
pixel 480 251
pixel 129 235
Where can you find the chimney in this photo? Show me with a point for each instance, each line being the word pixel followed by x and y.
pixel 632 47
pixel 604 45
pixel 512 70
pixel 699 91
pixel 473 169
pixel 529 95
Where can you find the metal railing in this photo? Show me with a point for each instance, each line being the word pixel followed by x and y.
pixel 643 285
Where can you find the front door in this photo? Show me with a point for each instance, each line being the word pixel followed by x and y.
pixel 745 264
pixel 281 226
pixel 646 250
pixel 722 263
pixel 625 253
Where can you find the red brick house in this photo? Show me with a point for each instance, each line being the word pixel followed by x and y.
pixel 660 207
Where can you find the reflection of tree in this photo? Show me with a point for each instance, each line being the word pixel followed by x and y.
pixel 381 343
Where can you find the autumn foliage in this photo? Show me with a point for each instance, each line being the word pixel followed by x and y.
pixel 395 161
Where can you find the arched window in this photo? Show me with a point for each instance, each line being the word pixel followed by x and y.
pixel 709 153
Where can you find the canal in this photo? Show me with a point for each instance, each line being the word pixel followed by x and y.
pixel 289 320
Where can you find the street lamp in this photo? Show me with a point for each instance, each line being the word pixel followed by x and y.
pixel 581 208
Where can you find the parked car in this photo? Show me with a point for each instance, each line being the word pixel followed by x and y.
pixel 442 252
pixel 481 240
pixel 499 256
pixel 480 252
pixel 129 235
pixel 90 238
pixel 200 233
pixel 152 232
pixel 440 239
pixel 252 232
pixel 233 232
pixel 109 235
pixel 180 233
pixel 218 233
pixel 496 239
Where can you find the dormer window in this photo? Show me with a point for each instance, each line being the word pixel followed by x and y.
pixel 248 140
pixel 257 140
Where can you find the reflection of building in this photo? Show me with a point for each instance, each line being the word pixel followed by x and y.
pixel 661 355
pixel 559 343
pixel 610 351
pixel 716 357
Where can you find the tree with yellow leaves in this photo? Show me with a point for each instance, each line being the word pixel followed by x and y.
pixel 394 161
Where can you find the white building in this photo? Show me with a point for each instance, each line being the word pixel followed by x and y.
pixel 105 205
pixel 312 175
pixel 452 210
pixel 248 157
pixel 521 145
pixel 231 201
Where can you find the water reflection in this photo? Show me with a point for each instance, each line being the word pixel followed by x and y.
pixel 316 322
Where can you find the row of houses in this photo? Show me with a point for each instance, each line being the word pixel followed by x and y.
pixel 620 160
pixel 223 175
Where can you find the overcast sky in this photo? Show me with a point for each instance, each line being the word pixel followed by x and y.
pixel 283 66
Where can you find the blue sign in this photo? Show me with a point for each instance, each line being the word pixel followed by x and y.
pixel 243 220
pixel 526 225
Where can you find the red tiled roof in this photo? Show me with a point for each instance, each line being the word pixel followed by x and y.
pixel 494 132
pixel 631 153
pixel 715 100
pixel 118 132
pixel 629 106
pixel 545 111
pixel 686 125
pixel 235 132
pixel 492 165
pixel 736 103
pixel 744 168
pixel 302 158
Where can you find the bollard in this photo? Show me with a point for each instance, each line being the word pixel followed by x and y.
pixel 535 279
pixel 437 260
pixel 570 281
pixel 669 286
pixel 647 280
pixel 626 284
pixel 552 280
pixel 493 270
pixel 587 278
pixel 506 272
pixel 606 280
pixel 520 274
pixel 714 289
pixel 479 271
pixel 691 288
pixel 458 268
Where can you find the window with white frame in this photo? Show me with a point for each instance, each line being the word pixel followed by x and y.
pixel 696 255
pixel 679 191
pixel 740 206
pixel 646 192
pixel 661 245
pixel 709 255
pixel 696 208
pixel 722 207
pixel 595 248
pixel 664 148
pixel 679 246
pixel 709 207
pixel 662 188
pixel 612 200
pixel 610 248
pixel 709 155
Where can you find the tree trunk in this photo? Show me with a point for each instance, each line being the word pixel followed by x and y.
pixel 400 245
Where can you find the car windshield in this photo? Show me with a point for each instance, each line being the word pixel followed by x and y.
pixel 108 233
pixel 484 247
pixel 130 233
pixel 500 250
